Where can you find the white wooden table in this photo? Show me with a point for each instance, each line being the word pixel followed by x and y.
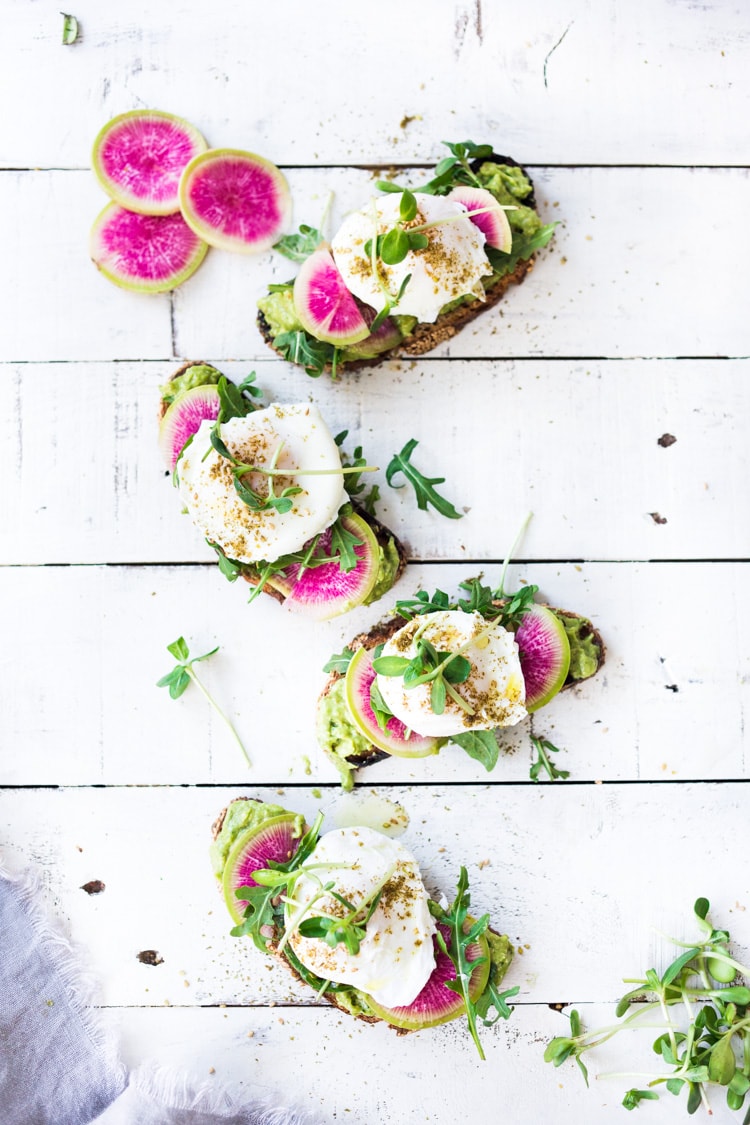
pixel 632 119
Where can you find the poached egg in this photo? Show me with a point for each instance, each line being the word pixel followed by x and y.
pixel 395 958
pixel 286 437
pixel 495 690
pixel 451 265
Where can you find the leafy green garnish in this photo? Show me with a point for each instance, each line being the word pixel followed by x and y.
pixel 493 605
pixel 543 762
pixel 352 480
pixel 463 934
pixel 423 486
pixel 492 998
pixel 523 247
pixel 714 1047
pixel 303 349
pixel 339 662
pixel 481 745
pixel 236 399
pixel 183 674
pixel 298 247
pixel 429 666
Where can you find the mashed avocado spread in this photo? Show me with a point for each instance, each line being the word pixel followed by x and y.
pixel 337 734
pixel 585 653
pixel 198 375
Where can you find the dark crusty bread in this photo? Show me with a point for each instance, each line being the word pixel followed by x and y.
pixel 385 629
pixel 380 531
pixel 425 337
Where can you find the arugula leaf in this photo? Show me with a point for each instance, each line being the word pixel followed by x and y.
pixel 228 567
pixel 522 248
pixel 303 349
pixel 423 603
pixel 492 998
pixel 343 543
pixel 339 662
pixel 422 485
pixel 543 762
pixel 462 935
pixel 479 744
pixel 235 399
pixel 298 247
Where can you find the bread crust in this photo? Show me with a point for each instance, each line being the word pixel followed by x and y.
pixel 388 626
pixel 426 336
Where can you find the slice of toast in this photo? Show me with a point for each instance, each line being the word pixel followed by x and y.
pixel 425 337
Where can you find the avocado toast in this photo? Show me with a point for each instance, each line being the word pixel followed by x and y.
pixel 445 251
pixel 274 496
pixel 348 914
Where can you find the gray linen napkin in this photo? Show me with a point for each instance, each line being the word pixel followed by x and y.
pixel 59 1064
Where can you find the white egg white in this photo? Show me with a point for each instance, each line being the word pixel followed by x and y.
pixel 494 691
pixel 396 957
pixel 207 487
pixel 451 266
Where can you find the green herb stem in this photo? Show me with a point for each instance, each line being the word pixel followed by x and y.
pixel 215 705
pixel 500 592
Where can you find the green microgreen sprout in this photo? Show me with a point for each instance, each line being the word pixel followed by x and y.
pixel 429 666
pixel 423 486
pixel 183 674
pixel 710 1044
pixel 542 761
pixel 70 29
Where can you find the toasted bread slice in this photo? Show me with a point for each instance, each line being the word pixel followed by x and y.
pixel 425 337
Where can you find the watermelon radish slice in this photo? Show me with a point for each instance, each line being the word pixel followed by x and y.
pixel 393 740
pixel 139 157
pixel 182 419
pixel 274 839
pixel 325 591
pixel 235 200
pixel 436 1003
pixel 494 223
pixel 145 253
pixel 545 655
pixel 325 307
pixel 385 337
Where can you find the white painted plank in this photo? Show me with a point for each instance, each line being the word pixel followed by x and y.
pixel 562 871
pixel 55 304
pixel 576 443
pixel 654 81
pixel 625 275
pixel 647 262
pixel 428 1077
pixel 89 645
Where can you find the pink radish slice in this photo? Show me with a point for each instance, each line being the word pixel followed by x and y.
pixel 274 839
pixel 437 1003
pixel 396 739
pixel 139 157
pixel 146 253
pixel 183 418
pixel 325 307
pixel 544 651
pixel 326 591
pixel 494 223
pixel 235 200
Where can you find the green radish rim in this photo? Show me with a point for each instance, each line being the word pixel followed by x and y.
pixel 200 195
pixel 193 141
pixel 113 236
pixel 359 670
pixel 235 905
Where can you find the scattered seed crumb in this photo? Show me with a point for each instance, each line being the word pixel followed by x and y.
pixel 281 1020
pixel 280 792
pixel 212 1070
pixel 251 1034
pixel 519 950
pixel 150 957
pixel 186 983
pixel 666 440
pixel 182 973
pixel 50 1003
pixel 441 849
pixel 408 118
pixel 222 1005
pixel 93 887
pixel 271 1003
pixel 657 517
pixel 317 794
pixel 578 567
pixel 167 1004
pixel 484 863
pixel 598 781
pixel 672 687
pixel 563 261
pixel 664 765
